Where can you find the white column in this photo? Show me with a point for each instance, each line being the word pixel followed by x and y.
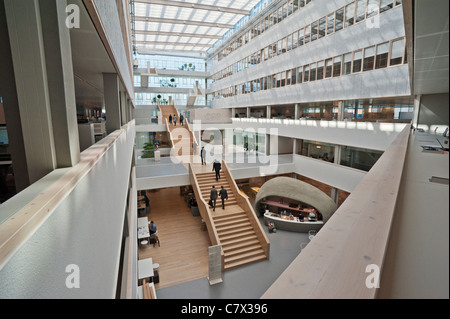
pixel 58 53
pixel 341 110
pixel 112 102
pixel 27 48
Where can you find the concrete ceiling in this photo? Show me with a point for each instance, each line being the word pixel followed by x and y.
pixel 431 46
pixel 90 61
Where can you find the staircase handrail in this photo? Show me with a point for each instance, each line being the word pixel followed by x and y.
pixel 248 208
pixel 205 212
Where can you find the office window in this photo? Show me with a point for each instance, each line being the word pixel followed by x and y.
pixel 294 40
pixel 357 61
pixel 339 19
pixel 274 50
pixel 306 73
pixel 266 53
pixel 289 42
pixel 285 11
pixel 314 30
pixel 288 77
pixel 301 37
pixel 280 47
pixel 295 5
pixel 290 7
pixel 313 72
pixel 274 81
pixel 280 14
pixel 382 55
pixel 322 27
pixel 320 66
pixel 283 79
pixel 328 68
pixel 307 34
pixel 300 75
pixel 373 6
pixel 302 3
pixel 330 24
pixel 294 76
pixel 337 66
pixel 386 5
pixel 360 10
pixel 369 58
pixel 350 14
pixel 398 2
pixel 362 159
pixel 347 64
pixel 397 50
pixel 278 77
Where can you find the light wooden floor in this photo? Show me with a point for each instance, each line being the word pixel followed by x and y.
pixel 183 255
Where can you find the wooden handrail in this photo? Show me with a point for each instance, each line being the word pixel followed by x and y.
pixel 170 134
pixel 19 227
pixel 335 263
pixel 245 204
pixel 205 212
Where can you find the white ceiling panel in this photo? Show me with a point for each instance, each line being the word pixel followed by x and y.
pixel 190 25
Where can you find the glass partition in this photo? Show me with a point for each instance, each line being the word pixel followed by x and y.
pixel 362 159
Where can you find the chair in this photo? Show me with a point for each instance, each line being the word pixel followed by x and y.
pixel 144 242
pixel 311 234
pixel 154 240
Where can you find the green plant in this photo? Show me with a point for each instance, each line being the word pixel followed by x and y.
pixel 149 150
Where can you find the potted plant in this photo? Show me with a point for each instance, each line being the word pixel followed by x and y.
pixel 149 150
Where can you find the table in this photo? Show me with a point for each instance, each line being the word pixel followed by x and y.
pixel 143 232
pixel 142 222
pixel 145 268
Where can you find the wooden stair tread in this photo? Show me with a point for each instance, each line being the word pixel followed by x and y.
pixel 232 265
pixel 235 235
pixel 244 255
pixel 239 241
pixel 244 249
pixel 240 220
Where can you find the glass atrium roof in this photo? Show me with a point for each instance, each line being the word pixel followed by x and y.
pixel 189 26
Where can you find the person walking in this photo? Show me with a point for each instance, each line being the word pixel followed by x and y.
pixel 213 198
pixel 203 155
pixel 170 119
pixel 147 203
pixel 223 196
pixel 217 167
pixel 194 148
pixel 174 120
pixel 181 120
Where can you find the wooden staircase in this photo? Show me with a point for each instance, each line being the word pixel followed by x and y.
pixel 236 232
pixel 181 140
